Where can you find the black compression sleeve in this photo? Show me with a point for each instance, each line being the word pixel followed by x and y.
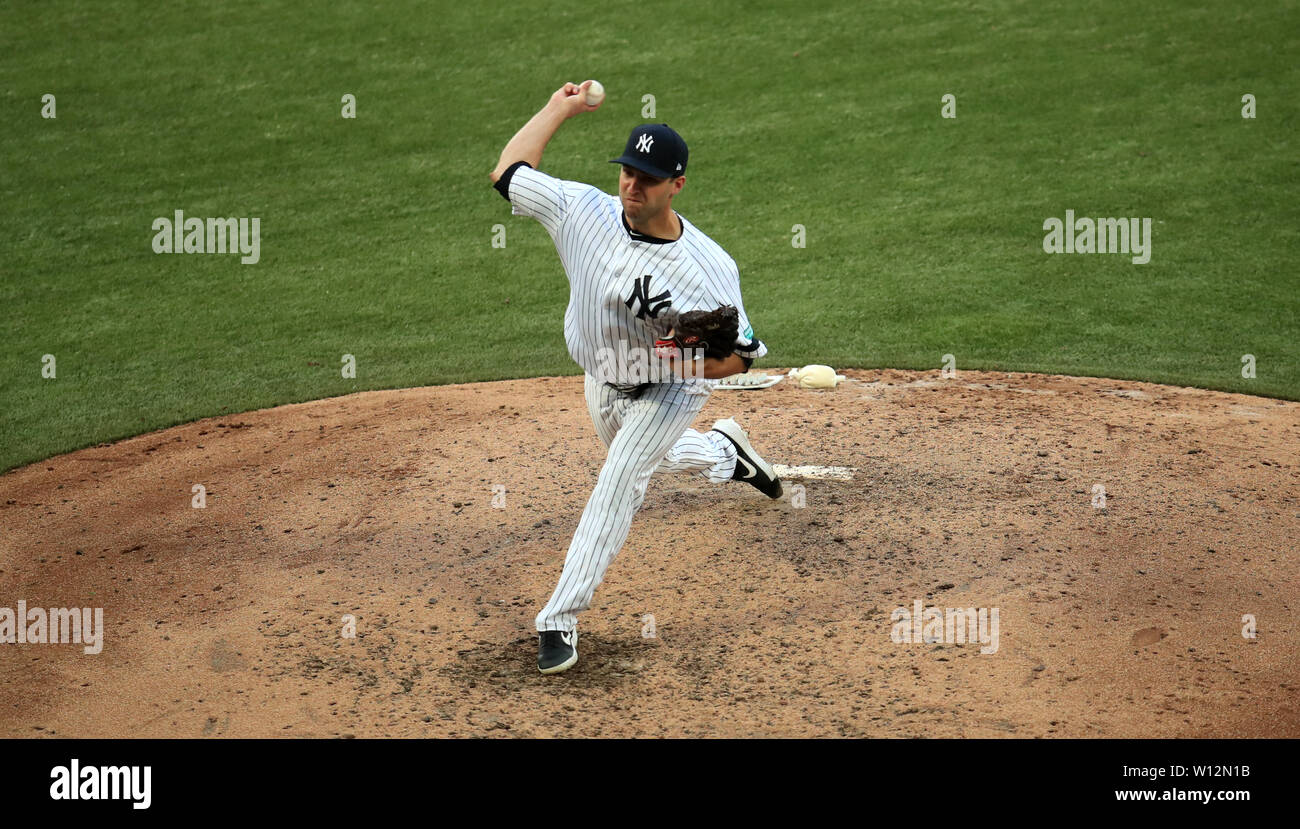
pixel 503 184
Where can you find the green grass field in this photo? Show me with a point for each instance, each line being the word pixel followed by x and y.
pixel 924 234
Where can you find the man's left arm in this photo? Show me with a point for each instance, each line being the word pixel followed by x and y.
pixel 707 368
pixel 741 348
pixel 716 369
pixel 747 347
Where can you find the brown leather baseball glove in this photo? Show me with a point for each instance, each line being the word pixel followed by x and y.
pixel 714 331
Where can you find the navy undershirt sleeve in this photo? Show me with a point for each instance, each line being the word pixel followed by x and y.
pixel 503 184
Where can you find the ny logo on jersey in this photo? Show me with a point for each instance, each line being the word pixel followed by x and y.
pixel 650 305
pixel 643 143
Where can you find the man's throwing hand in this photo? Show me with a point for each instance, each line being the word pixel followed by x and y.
pixel 571 99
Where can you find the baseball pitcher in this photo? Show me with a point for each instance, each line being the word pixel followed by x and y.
pixel 654 317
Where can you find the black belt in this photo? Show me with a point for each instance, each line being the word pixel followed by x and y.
pixel 634 390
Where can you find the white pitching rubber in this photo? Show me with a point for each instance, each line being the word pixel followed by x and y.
pixel 832 473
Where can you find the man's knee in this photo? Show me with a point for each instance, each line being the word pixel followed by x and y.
pixel 639 487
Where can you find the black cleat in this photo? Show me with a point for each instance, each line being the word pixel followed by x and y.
pixel 557 650
pixel 750 468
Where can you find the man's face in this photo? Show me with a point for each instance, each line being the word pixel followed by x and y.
pixel 645 196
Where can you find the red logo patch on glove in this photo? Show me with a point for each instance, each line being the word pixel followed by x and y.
pixel 667 350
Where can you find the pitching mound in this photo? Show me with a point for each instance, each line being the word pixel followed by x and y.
pixel 438 518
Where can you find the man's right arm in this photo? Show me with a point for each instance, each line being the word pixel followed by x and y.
pixel 528 144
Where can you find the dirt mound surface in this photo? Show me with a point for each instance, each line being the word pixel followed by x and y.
pixel 1129 536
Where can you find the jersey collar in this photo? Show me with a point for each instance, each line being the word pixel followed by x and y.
pixel 637 236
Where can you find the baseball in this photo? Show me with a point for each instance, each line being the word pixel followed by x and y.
pixel 595 93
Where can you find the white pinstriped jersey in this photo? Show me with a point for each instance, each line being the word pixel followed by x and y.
pixel 620 280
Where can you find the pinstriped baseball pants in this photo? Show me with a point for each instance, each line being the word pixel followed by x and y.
pixel 646 433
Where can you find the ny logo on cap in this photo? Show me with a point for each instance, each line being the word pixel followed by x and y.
pixel 644 142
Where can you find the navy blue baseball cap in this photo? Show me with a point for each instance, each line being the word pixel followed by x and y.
pixel 655 149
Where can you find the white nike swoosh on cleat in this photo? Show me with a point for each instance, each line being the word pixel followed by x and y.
pixel 748 465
